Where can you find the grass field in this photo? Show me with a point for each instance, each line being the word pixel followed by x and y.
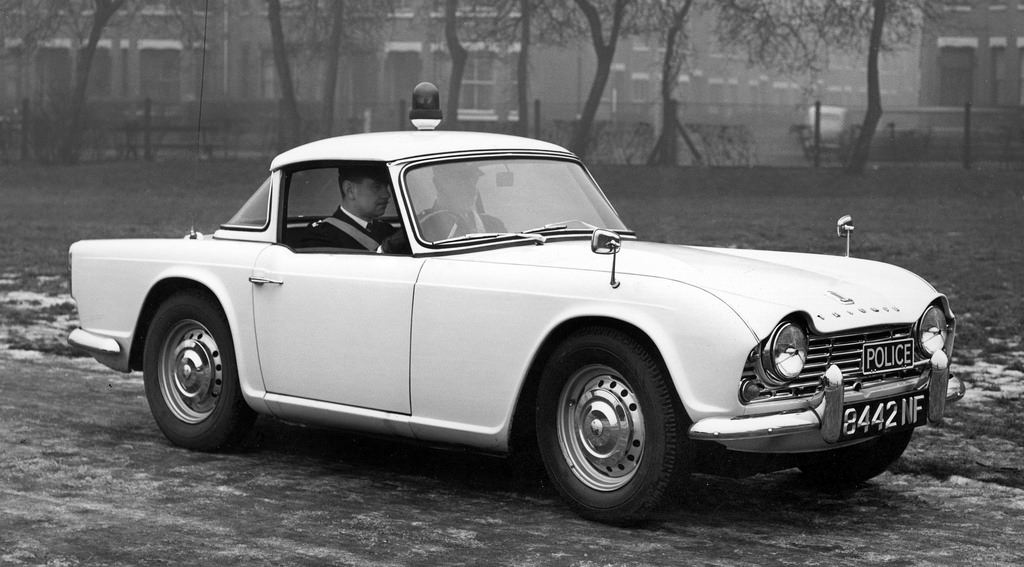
pixel 960 230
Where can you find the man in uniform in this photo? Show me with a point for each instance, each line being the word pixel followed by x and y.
pixel 365 193
pixel 457 210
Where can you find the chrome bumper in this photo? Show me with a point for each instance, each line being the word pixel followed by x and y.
pixel 104 349
pixel 92 343
pixel 825 409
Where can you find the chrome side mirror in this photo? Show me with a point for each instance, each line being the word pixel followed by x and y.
pixel 605 242
pixel 844 226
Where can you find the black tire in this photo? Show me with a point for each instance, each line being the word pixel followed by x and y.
pixel 190 375
pixel 849 466
pixel 610 429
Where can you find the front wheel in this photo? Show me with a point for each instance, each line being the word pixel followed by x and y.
pixel 848 466
pixel 611 431
pixel 190 376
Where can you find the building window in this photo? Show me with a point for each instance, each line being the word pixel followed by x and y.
pixel 956 75
pixel 160 74
pixel 268 75
pixel 100 73
pixel 478 82
pixel 641 87
pixel 53 65
pixel 1020 86
pixel 998 74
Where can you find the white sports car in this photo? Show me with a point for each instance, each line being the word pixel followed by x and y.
pixel 520 314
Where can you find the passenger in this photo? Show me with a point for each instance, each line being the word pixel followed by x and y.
pixel 457 210
pixel 356 224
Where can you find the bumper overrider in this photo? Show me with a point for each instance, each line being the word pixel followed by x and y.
pixel 825 409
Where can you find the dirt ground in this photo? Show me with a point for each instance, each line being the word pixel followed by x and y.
pixel 87 479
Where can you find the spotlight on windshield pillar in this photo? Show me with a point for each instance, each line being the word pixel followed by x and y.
pixel 425 113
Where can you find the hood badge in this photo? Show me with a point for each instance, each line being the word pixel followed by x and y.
pixel 840 298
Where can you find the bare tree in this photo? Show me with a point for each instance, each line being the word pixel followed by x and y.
pixel 459 55
pixel 523 65
pixel 599 15
pixel 331 65
pixel 28 22
pixel 676 13
pixel 797 37
pixel 103 11
pixel 292 127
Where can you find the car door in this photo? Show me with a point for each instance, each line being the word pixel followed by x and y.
pixel 335 327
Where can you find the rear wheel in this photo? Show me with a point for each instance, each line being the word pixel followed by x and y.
pixel 190 375
pixel 610 430
pixel 840 468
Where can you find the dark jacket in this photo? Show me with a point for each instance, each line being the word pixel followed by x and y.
pixel 323 233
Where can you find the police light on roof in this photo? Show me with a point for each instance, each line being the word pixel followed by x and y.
pixel 425 113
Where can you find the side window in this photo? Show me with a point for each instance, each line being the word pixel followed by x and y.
pixel 339 206
pixel 255 213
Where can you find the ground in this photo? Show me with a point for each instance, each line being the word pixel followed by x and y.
pixel 87 479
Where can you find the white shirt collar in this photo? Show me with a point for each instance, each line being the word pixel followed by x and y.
pixel 358 220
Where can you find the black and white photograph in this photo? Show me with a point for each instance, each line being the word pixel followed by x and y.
pixel 586 283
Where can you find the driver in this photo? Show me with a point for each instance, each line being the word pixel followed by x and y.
pixel 457 210
pixel 365 194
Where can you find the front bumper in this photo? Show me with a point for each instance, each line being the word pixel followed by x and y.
pixel 104 349
pixel 824 411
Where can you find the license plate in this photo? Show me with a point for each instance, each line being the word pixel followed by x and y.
pixel 865 419
pixel 887 356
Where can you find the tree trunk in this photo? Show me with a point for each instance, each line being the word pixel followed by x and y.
pixel 663 152
pixel 331 65
pixel 605 52
pixel 862 147
pixel 105 9
pixel 292 127
pixel 459 56
pixel 523 68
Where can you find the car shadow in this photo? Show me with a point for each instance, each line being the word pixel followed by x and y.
pixel 706 500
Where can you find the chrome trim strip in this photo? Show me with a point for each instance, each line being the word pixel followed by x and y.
pixel 93 343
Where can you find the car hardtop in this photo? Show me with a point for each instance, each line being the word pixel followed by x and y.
pixel 396 146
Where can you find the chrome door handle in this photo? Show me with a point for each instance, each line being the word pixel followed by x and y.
pixel 260 280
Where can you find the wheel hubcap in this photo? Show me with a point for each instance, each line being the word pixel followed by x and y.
pixel 601 428
pixel 191 372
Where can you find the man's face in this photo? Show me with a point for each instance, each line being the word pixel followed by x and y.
pixel 366 198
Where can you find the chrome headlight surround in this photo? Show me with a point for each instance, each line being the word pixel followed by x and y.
pixel 784 355
pixel 932 331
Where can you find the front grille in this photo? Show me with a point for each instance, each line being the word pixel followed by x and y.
pixel 843 350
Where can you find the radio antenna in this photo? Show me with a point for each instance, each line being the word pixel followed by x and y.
pixel 199 116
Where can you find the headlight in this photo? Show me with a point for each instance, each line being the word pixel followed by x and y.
pixel 932 331
pixel 784 355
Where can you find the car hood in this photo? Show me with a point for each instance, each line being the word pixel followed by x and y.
pixel 834 292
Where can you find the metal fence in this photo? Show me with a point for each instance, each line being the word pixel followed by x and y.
pixel 708 134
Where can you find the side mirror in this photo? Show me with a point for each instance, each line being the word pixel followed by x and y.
pixel 844 226
pixel 606 242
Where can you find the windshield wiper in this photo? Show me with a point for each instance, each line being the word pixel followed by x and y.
pixel 559 226
pixel 538 238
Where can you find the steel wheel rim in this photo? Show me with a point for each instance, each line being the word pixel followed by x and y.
pixel 601 428
pixel 190 371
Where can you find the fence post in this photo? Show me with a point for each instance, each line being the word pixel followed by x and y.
pixel 147 122
pixel 26 127
pixel 403 115
pixel 967 135
pixel 817 133
pixel 536 118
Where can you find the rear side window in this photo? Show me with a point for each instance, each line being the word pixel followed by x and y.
pixel 255 213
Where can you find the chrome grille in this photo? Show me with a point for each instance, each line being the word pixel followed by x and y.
pixel 843 350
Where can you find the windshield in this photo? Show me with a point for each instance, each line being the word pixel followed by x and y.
pixel 505 195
